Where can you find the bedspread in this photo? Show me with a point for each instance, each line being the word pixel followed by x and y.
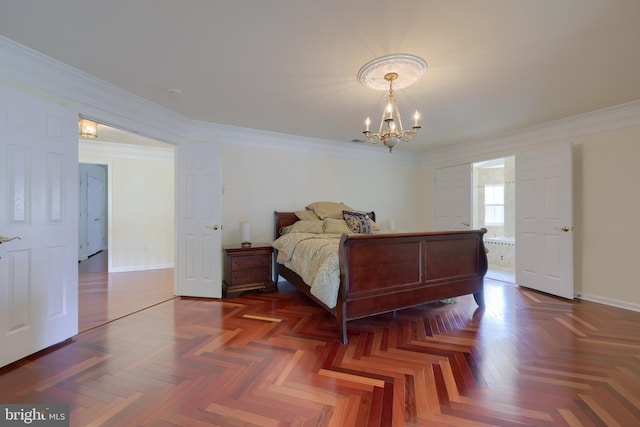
pixel 314 257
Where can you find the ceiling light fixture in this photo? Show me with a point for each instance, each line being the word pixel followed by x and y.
pixel 88 128
pixel 381 73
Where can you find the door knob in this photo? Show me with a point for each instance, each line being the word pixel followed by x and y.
pixel 466 224
pixel 565 229
pixel 213 227
pixel 8 239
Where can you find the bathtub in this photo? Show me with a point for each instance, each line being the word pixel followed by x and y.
pixel 506 240
pixel 501 251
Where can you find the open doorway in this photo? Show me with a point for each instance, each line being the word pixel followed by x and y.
pixel 133 269
pixel 494 209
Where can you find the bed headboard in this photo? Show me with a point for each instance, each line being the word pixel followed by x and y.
pixel 282 219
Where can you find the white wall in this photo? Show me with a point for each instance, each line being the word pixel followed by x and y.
pixel 141 204
pixel 606 210
pixel 424 194
pixel 258 182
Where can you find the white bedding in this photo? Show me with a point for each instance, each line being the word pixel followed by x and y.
pixel 314 257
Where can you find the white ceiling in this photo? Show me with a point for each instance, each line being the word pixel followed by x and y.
pixel 290 66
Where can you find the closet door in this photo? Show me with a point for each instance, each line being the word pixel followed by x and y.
pixel 453 198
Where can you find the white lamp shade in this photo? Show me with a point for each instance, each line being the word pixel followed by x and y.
pixel 245 231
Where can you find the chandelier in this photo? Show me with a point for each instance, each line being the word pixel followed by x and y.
pixel 385 71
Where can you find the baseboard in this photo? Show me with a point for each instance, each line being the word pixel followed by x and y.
pixel 140 268
pixel 588 297
pixel 609 301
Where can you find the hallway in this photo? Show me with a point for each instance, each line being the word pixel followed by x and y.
pixel 104 297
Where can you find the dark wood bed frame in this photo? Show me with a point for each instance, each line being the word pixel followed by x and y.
pixel 380 273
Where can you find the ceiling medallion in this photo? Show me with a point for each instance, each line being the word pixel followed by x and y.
pixel 410 68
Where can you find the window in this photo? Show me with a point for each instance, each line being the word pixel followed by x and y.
pixel 494 204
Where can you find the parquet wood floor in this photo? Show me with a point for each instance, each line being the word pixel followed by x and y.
pixel 104 297
pixel 273 360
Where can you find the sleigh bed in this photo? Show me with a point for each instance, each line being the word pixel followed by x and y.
pixel 383 272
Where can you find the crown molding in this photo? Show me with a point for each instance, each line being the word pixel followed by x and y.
pixel 113 106
pixel 101 149
pixel 96 99
pixel 603 120
pixel 254 138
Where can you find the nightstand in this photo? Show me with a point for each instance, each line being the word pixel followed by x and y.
pixel 247 269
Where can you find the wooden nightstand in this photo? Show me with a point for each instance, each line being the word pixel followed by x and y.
pixel 247 269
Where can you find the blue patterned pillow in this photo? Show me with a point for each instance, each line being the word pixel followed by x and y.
pixel 358 222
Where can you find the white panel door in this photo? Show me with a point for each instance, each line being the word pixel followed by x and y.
pixel 544 218
pixel 199 237
pixel 453 207
pixel 82 215
pixel 39 204
pixel 96 213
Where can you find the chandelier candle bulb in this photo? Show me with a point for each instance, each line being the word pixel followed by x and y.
pixel 367 123
pixel 416 117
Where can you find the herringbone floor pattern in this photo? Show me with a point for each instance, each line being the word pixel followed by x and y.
pixel 273 360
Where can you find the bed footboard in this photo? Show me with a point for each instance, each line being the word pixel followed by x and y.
pixel 386 272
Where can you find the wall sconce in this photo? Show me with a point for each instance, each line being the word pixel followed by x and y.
pixel 88 128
